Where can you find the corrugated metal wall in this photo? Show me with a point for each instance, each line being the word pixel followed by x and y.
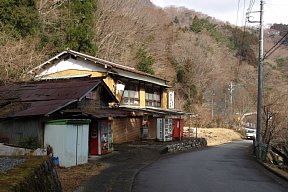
pixel 20 129
pixel 126 129
pixel 69 143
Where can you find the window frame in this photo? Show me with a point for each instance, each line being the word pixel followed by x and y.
pixel 153 96
pixel 131 95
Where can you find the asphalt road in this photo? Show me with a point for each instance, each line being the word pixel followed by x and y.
pixel 229 167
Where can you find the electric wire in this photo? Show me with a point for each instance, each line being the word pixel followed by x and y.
pixel 241 42
pixel 275 47
pixel 243 34
pixel 237 12
pixel 243 14
pixel 250 7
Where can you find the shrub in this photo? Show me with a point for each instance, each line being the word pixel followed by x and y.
pixel 30 143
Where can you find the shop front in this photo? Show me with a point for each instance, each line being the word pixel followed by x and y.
pixel 100 137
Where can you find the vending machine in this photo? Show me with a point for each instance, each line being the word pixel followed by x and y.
pixel 101 138
pixel 104 137
pixel 164 129
pixel 178 125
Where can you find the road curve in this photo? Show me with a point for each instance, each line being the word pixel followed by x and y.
pixel 225 168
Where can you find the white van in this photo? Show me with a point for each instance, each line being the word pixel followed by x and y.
pixel 250 133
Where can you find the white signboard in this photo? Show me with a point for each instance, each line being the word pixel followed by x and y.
pixel 171 100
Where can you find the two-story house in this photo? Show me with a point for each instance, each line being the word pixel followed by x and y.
pixel 144 95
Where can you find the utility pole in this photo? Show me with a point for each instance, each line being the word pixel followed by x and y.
pixel 231 89
pixel 258 142
pixel 231 93
pixel 260 87
pixel 212 103
pixel 225 105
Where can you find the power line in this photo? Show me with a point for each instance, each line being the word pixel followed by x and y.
pixel 243 34
pixel 250 7
pixel 237 12
pixel 249 10
pixel 275 47
pixel 241 43
pixel 243 15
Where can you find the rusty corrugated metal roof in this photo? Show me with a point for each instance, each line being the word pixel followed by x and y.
pixel 42 97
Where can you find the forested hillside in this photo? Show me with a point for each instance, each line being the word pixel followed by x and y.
pixel 206 61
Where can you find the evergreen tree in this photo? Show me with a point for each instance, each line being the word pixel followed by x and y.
pixel 145 61
pixel 80 33
pixel 19 18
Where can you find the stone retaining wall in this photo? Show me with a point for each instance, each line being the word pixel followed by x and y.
pixel 185 145
pixel 35 174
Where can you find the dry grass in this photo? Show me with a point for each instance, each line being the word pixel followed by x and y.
pixel 19 174
pixel 218 136
pixel 73 177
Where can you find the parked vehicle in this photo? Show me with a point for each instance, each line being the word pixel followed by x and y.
pixel 250 133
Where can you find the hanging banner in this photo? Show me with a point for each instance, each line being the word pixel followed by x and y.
pixel 171 98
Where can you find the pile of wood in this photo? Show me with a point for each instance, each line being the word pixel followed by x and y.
pixel 278 156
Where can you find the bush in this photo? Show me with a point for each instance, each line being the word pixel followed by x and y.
pixel 30 143
pixel 280 62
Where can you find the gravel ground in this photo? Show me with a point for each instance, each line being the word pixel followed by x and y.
pixel 7 163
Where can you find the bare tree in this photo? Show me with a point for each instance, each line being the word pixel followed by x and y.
pixel 18 57
pixel 274 119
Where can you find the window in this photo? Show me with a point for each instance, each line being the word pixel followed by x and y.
pixel 131 95
pixel 152 96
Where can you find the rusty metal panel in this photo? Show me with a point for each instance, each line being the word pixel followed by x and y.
pixel 42 97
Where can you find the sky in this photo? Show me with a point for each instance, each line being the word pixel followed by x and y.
pixel 226 10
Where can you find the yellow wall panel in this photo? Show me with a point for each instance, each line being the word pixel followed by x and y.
pixel 142 96
pixel 111 84
pixel 72 72
pixel 164 99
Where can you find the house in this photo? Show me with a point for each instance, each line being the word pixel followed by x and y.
pixel 70 115
pixel 140 93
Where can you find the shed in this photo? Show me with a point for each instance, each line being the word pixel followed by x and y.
pixel 69 140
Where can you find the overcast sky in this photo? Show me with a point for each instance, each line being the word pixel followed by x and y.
pixel 275 11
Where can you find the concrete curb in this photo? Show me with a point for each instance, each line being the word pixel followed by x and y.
pixel 273 171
